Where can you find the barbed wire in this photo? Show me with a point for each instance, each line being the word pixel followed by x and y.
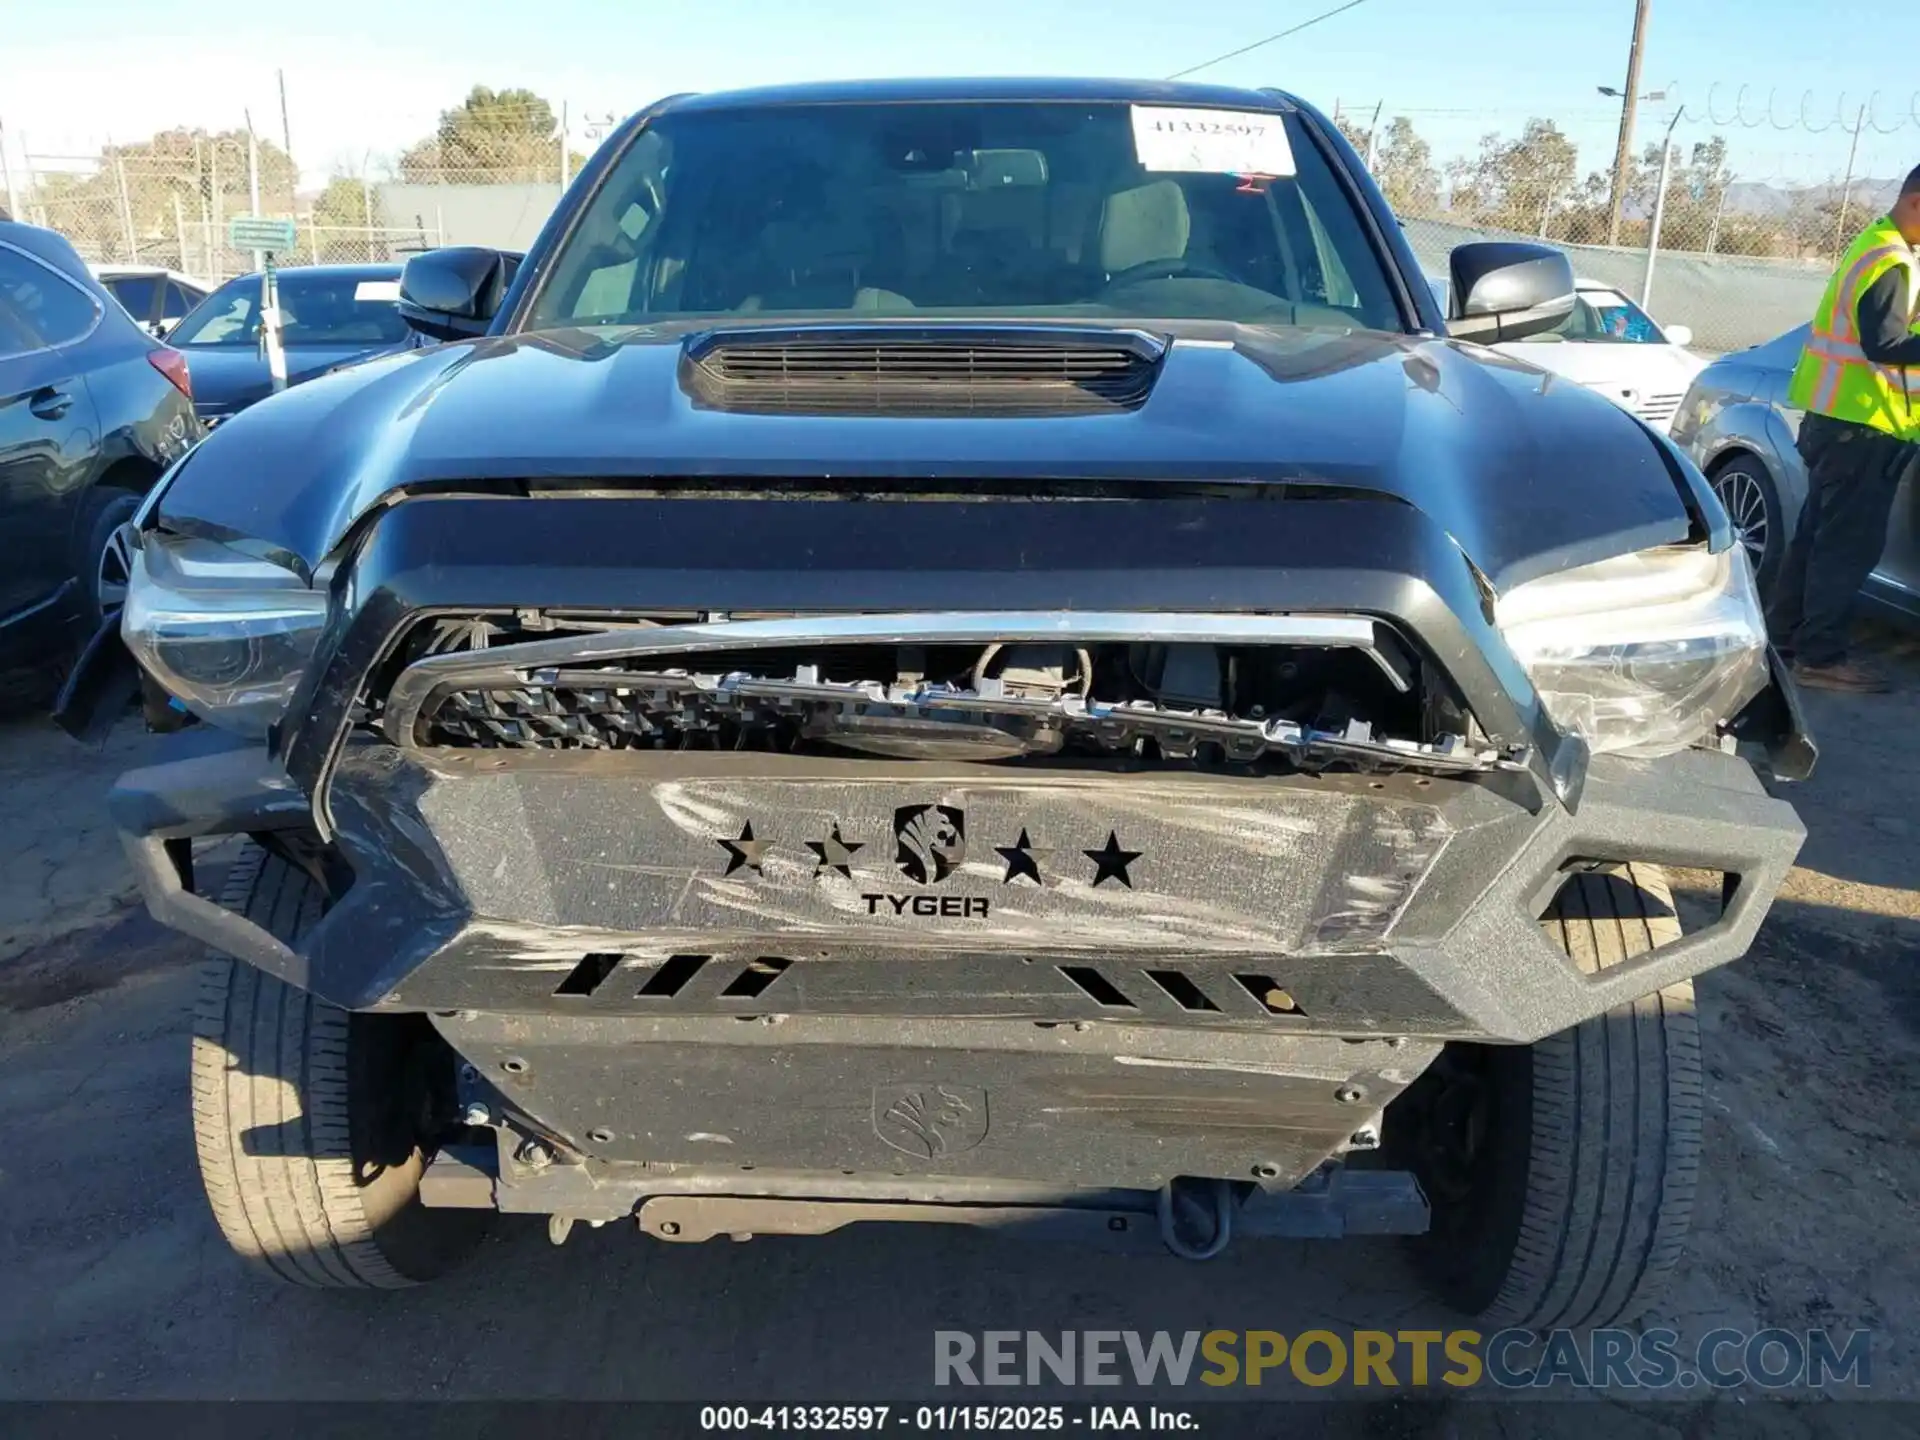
pixel 1846 113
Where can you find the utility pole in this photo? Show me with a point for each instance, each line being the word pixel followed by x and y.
pixel 1628 101
pixel 126 202
pixel 563 147
pixel 1659 210
pixel 1846 186
pixel 1719 209
pixel 286 135
pixel 216 261
pixel 1373 135
pixel 253 179
pixel 7 192
pixel 366 197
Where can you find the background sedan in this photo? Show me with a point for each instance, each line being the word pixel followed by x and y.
pixel 331 315
pixel 92 411
pixel 1740 430
pixel 1609 344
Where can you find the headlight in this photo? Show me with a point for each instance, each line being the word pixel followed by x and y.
pixel 227 633
pixel 1643 654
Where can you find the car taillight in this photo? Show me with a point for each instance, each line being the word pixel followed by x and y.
pixel 173 365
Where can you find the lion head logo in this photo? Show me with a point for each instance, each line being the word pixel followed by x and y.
pixel 930 841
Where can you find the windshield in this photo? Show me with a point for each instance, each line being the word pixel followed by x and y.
pixel 981 209
pixel 1605 317
pixel 314 310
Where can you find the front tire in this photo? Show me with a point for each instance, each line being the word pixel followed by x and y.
pixel 311 1123
pixel 1562 1173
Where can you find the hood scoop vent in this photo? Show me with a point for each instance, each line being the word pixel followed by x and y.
pixel 895 370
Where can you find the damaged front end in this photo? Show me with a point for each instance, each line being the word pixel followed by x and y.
pixel 777 914
pixel 1303 691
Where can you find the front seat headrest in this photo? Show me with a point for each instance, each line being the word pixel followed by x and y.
pixel 1149 222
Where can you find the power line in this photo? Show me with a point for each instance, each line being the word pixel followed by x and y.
pixel 1246 49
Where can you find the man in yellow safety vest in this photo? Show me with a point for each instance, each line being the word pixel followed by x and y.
pixel 1862 405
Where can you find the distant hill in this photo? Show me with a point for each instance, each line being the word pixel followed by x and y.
pixel 1751 197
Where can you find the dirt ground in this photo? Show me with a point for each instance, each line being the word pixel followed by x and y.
pixel 121 1287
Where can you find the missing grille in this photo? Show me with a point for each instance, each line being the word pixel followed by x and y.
pixel 1182 991
pixel 757 976
pixel 589 975
pixel 1098 988
pixel 672 977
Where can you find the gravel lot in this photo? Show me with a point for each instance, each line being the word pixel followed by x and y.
pixel 1809 1195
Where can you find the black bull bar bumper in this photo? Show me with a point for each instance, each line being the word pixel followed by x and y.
pixel 1077 977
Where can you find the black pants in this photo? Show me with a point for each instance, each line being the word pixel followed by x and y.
pixel 1852 473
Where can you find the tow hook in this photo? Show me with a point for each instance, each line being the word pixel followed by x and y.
pixel 1196 1217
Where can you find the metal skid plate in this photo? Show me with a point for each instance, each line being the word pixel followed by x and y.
pixel 1098 1106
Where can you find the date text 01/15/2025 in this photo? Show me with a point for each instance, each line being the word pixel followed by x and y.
pixel 943 1419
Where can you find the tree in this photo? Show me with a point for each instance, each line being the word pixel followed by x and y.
pixel 1402 165
pixel 1516 185
pixel 1356 136
pixel 1697 184
pixel 1814 226
pixel 345 202
pixel 492 137
pixel 174 192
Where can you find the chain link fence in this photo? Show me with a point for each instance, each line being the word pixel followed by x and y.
pixel 172 210
pixel 1734 260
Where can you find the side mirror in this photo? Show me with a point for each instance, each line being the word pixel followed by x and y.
pixel 1681 335
pixel 454 293
pixel 1507 290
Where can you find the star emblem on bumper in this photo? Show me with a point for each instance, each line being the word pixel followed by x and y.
pixel 1112 862
pixel 835 853
pixel 745 851
pixel 1022 859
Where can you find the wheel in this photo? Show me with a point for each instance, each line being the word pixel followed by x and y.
pixel 313 1124
pixel 1561 1174
pixel 104 561
pixel 1753 505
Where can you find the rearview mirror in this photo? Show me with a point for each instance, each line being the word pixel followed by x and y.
pixel 1681 335
pixel 1507 290
pixel 453 293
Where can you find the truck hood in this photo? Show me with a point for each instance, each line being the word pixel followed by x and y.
pixel 227 379
pixel 1528 472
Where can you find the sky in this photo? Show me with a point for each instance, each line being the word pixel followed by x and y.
pixel 369 76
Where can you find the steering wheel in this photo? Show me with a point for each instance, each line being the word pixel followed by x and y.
pixel 1170 269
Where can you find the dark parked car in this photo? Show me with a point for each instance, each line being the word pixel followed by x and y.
pixel 331 315
pixel 92 410
pixel 1739 428
pixel 973 652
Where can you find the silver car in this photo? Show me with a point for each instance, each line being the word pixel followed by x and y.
pixel 1739 429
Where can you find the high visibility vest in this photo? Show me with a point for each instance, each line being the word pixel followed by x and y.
pixel 1834 376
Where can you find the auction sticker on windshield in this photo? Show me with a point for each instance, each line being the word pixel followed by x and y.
pixel 1217 142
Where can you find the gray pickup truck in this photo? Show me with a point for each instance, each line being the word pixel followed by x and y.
pixel 977 652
